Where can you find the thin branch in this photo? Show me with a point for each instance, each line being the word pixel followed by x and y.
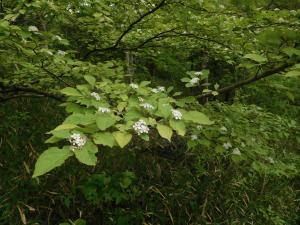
pixel 248 81
pixel 129 28
pixel 16 90
pixel 157 36
pixel 53 75
pixel 25 96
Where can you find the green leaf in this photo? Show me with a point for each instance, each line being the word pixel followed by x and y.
pixel 70 91
pixel 86 155
pixel 145 137
pixel 256 58
pixel 179 126
pixel 197 117
pixel 83 119
pixel 132 114
pixel 61 133
pixel 185 79
pixel 163 110
pixel 90 79
pixel 121 106
pixel 52 139
pixel 164 131
pixel 123 138
pixel 50 159
pixel 293 73
pixel 145 83
pixel 65 126
pixel 104 121
pixel 104 138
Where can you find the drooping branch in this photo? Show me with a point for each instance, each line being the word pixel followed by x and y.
pixel 17 92
pixel 157 36
pixel 248 81
pixel 129 28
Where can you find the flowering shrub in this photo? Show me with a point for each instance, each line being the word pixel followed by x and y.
pixel 108 113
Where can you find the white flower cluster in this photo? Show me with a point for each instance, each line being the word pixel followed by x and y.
pixel 141 99
pixel 199 127
pixel 198 73
pixel 161 88
pixel 134 86
pixel 77 141
pixel 194 81
pixel 236 151
pixel 96 96
pixel 158 89
pixel 194 137
pixel 227 145
pixel 147 106
pixel 223 130
pixel 177 114
pixel 56 37
pixel 33 29
pixel 103 110
pixel 62 53
pixel 155 90
pixel 270 160
pixel 141 127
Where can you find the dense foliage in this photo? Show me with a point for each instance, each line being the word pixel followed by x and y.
pixel 149 112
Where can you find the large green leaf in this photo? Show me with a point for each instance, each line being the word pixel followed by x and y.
pixel 293 73
pixel 86 155
pixel 123 138
pixel 83 119
pixel 197 117
pixel 50 159
pixel 179 126
pixel 70 91
pixel 164 110
pixel 132 114
pixel 164 131
pixel 104 138
pixel 65 126
pixel 256 58
pixel 104 121
pixel 90 79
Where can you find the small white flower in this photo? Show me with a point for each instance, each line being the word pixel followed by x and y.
pixel 49 52
pixel 270 160
pixel 161 88
pixel 62 53
pixel 194 81
pixel 56 37
pixel 223 130
pixel 194 137
pixel 155 90
pixel 141 99
pixel 293 12
pixel 243 145
pixel 33 29
pixel 77 141
pixel 198 73
pixel 96 96
pixel 281 20
pixel 103 110
pixel 141 127
pixel 199 127
pixel 227 145
pixel 276 9
pixel 236 151
pixel 134 86
pixel 177 114
pixel 147 106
